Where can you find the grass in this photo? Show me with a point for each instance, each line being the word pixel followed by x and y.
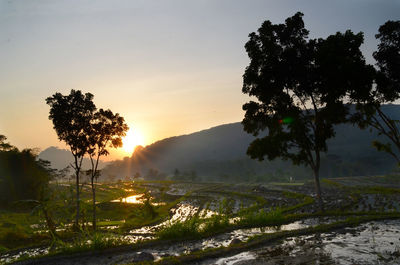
pixel 286 183
pixel 261 218
pixel 197 226
pixel 15 224
pixel 15 230
pixel 293 195
pixel 379 190
pixel 89 241
pixel 307 201
pixel 180 230
pixel 330 182
pixel 194 228
pixel 256 241
pixel 110 223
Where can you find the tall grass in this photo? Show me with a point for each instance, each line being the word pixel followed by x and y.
pixel 198 226
pixel 89 241
pixel 181 229
pixel 261 218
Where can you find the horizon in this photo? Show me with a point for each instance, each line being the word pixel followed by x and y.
pixel 168 68
pixel 108 159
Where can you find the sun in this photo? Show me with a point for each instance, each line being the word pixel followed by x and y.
pixel 132 139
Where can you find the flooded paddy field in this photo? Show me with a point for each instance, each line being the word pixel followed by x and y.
pixel 216 223
pixel 368 243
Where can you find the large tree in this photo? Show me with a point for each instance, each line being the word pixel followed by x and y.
pixel 107 130
pixel 299 87
pixel 386 90
pixel 72 116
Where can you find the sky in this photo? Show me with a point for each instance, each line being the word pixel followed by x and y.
pixel 169 67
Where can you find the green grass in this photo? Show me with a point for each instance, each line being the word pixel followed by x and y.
pixel 307 201
pixel 268 238
pixel 293 195
pixel 379 190
pixel 110 223
pixel 214 224
pixel 89 241
pixel 194 227
pixel 330 182
pixel 198 226
pixel 261 218
pixel 286 183
pixel 15 224
pixel 188 229
pixel 15 230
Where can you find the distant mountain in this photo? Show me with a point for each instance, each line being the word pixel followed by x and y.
pixel 220 153
pixel 61 158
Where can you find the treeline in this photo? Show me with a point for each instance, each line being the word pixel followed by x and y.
pixel 22 175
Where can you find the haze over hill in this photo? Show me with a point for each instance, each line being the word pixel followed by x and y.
pixel 220 153
pixel 61 158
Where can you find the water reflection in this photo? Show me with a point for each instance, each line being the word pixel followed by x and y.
pixel 371 243
pixel 138 198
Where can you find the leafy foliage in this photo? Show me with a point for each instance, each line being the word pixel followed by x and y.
pixel 388 61
pixel 5 146
pixel 71 116
pixel 386 90
pixel 303 82
pixel 106 130
pixel 22 176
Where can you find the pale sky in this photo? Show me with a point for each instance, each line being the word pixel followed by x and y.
pixel 168 67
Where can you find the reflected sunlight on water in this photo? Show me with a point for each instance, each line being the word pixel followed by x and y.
pixel 131 199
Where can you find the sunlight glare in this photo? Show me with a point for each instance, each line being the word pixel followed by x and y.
pixel 132 139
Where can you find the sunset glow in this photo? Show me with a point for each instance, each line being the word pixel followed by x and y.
pixel 132 139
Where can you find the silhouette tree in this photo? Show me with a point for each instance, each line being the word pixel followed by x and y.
pixel 386 90
pixel 106 131
pixel 300 86
pixel 5 146
pixel 72 116
pixel 22 175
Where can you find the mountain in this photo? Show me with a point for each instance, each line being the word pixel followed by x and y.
pixel 61 158
pixel 219 153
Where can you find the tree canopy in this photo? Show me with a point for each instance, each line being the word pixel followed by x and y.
pixel 300 87
pixel 71 116
pixel 106 130
pixel 22 175
pixel 386 90
pixel 85 131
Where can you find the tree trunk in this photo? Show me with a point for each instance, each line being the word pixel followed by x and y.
pixel 94 205
pixel 318 190
pixel 77 201
pixel 77 171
